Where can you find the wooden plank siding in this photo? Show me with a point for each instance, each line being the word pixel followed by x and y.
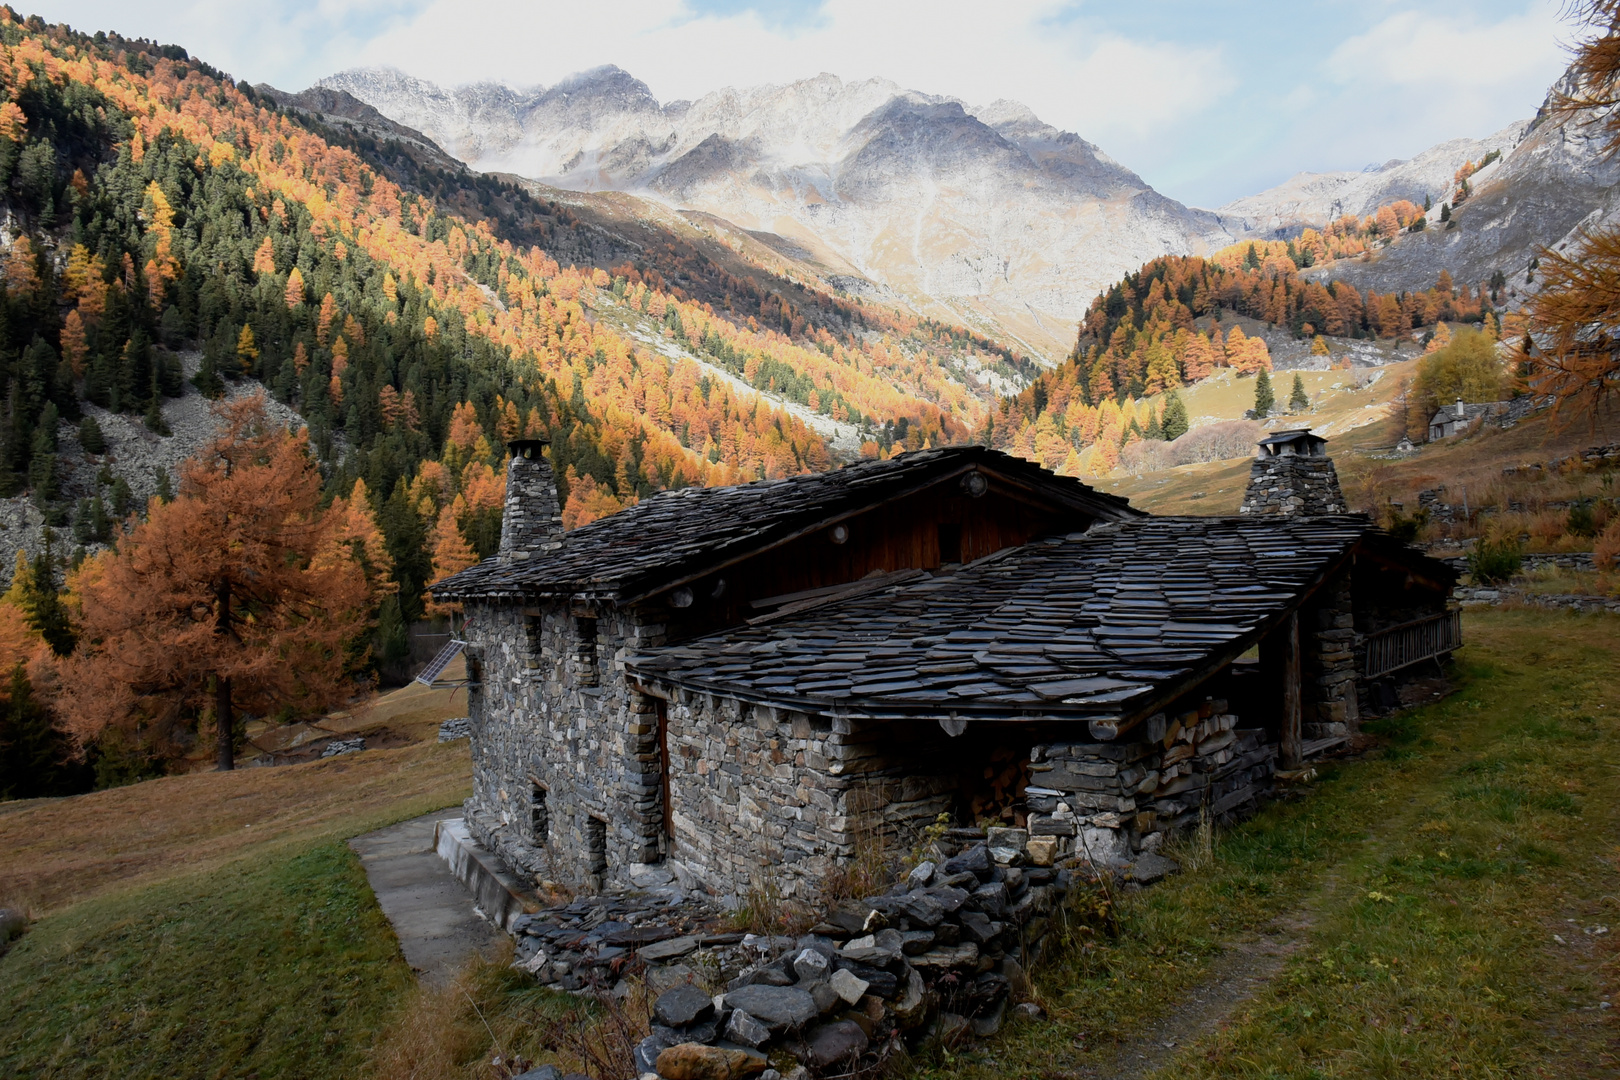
pixel 902 534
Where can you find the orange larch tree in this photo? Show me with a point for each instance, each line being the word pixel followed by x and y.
pixel 222 601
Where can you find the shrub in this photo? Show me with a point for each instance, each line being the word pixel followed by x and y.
pixel 1606 551
pixel 1581 520
pixel 1494 561
pixel 1401 527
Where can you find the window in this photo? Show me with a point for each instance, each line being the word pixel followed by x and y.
pixel 539 814
pixel 595 845
pixel 950 543
pixel 585 636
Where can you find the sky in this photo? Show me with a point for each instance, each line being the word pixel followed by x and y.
pixel 1207 101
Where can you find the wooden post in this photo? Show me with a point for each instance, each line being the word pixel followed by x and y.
pixel 1292 707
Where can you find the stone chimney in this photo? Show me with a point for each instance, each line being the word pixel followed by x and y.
pixel 531 521
pixel 1293 476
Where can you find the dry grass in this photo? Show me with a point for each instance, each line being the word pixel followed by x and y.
pixel 1470 466
pixel 492 1023
pixel 54 852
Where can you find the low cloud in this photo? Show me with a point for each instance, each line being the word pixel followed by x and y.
pixel 1205 116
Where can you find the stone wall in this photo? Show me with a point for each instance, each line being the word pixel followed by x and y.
pixel 1291 484
pixel 763 798
pixel 1328 667
pixel 754 796
pixel 552 712
pixel 1109 801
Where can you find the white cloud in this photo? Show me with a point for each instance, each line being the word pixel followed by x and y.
pixel 1203 116
pixel 1416 50
pixel 1075 77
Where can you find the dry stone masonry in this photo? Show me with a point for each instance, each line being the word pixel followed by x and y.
pixel 941 954
pixel 1110 801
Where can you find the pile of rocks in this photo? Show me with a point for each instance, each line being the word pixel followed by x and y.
pixel 592 941
pixel 338 747
pixel 941 954
pixel 459 727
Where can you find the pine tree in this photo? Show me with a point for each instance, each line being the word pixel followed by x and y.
pixel 1264 399
pixel 36 755
pixel 91 436
pixel 1175 417
pixel 1299 400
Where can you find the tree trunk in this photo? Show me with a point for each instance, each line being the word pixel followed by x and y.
pixel 224 711
pixel 224 717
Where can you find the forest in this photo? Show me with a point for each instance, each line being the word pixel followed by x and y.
pixel 159 211
pixel 1162 328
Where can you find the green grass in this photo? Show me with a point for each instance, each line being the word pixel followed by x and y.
pixel 279 966
pixel 1423 887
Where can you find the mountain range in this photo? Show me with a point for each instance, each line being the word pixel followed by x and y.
pixel 982 215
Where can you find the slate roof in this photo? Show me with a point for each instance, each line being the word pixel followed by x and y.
pixel 675 534
pixel 1111 622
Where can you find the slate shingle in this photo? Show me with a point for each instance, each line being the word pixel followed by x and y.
pixel 671 534
pixel 1097 624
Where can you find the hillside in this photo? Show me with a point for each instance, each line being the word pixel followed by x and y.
pixel 981 215
pixel 1542 182
pixel 404 309
pixel 1183 321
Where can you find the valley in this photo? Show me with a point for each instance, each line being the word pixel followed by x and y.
pixel 804 475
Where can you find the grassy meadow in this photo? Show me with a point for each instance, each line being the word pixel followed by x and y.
pixel 1432 908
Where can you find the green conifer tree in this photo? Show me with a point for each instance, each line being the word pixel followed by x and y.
pixel 1299 400
pixel 1175 417
pixel 1264 399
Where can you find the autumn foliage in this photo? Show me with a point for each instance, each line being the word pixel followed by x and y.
pixel 240 595
pixel 1162 328
pixel 1572 349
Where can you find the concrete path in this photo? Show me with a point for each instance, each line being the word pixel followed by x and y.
pixel 432 913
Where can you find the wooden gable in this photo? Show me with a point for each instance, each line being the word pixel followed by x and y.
pixel 955 519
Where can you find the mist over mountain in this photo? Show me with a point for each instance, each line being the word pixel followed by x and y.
pixel 981 214
pixel 1314 199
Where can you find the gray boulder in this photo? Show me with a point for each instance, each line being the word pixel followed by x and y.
pixel 830 1044
pixel 747 1030
pixel 683 1005
pixel 776 1006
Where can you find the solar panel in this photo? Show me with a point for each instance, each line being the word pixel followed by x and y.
pixel 437 665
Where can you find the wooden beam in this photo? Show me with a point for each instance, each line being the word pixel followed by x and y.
pixel 1292 706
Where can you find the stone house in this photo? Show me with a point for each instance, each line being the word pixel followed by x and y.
pixel 1455 419
pixel 741 686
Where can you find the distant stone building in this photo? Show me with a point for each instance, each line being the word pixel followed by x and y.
pixel 736 685
pixel 1455 419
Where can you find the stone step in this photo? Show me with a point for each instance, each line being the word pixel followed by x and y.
pixel 499 893
pixel 1317 747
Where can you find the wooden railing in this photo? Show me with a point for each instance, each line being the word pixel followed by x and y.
pixel 1400 646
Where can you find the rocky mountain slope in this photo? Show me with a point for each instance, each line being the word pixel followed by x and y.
pixel 1549 185
pixel 1314 199
pixel 983 215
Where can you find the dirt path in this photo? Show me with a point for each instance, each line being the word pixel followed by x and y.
pixel 1240 973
